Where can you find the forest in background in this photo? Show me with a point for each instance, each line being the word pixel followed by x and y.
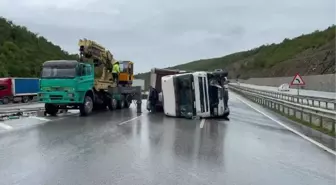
pixel 22 52
pixel 308 54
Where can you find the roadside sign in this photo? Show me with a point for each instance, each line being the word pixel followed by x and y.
pixel 297 80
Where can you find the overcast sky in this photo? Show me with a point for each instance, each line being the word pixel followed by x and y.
pixel 165 33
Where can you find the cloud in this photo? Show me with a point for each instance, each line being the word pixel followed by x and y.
pixel 165 33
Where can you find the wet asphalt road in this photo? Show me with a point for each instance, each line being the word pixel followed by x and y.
pixel 107 148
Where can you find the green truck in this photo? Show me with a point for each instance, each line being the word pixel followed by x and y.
pixel 72 84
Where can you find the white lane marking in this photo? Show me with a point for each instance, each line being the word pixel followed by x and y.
pixel 39 118
pixel 202 123
pixel 291 129
pixel 130 120
pixel 7 127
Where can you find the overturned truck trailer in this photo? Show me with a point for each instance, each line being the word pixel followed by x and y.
pixel 197 94
pixel 189 94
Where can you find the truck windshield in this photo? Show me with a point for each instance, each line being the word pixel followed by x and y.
pixel 49 72
pixel 184 94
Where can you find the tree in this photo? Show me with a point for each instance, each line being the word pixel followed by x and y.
pixel 23 52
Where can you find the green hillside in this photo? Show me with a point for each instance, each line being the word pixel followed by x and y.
pixel 308 54
pixel 22 52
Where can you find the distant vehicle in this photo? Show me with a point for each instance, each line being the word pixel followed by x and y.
pixel 18 89
pixel 283 87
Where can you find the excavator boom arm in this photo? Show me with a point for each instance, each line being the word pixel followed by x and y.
pixel 102 59
pixel 91 50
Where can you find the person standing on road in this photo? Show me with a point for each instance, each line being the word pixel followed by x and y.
pixel 115 72
pixel 153 98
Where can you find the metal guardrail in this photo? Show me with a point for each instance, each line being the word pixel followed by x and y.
pixel 17 113
pixel 319 102
pixel 10 111
pixel 322 117
pixel 34 100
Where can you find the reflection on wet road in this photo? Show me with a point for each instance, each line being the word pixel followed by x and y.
pixel 154 149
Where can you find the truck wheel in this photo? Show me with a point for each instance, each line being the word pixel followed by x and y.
pixel 128 101
pixel 112 105
pixel 51 109
pixel 226 114
pixel 86 107
pixel 127 104
pixel 25 99
pixel 121 103
pixel 5 100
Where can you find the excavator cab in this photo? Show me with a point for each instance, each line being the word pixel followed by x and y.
pixel 126 73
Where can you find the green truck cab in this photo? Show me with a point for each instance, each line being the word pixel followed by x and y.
pixel 66 83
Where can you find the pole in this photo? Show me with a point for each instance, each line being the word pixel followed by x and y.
pixel 298 90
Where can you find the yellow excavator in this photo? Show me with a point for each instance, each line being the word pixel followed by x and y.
pixel 103 61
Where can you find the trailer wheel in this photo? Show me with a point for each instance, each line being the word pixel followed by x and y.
pixel 226 114
pixel 127 104
pixel 112 105
pixel 128 101
pixel 51 109
pixel 5 100
pixel 25 99
pixel 121 103
pixel 86 107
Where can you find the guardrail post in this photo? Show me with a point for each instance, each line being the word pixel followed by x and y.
pixel 301 115
pixel 321 122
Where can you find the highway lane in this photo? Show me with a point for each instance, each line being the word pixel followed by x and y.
pixel 293 91
pixel 121 148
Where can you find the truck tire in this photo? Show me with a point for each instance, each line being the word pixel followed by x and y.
pixel 112 105
pixel 226 114
pixel 121 102
pixel 25 99
pixel 128 101
pixel 127 104
pixel 5 100
pixel 86 107
pixel 51 109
